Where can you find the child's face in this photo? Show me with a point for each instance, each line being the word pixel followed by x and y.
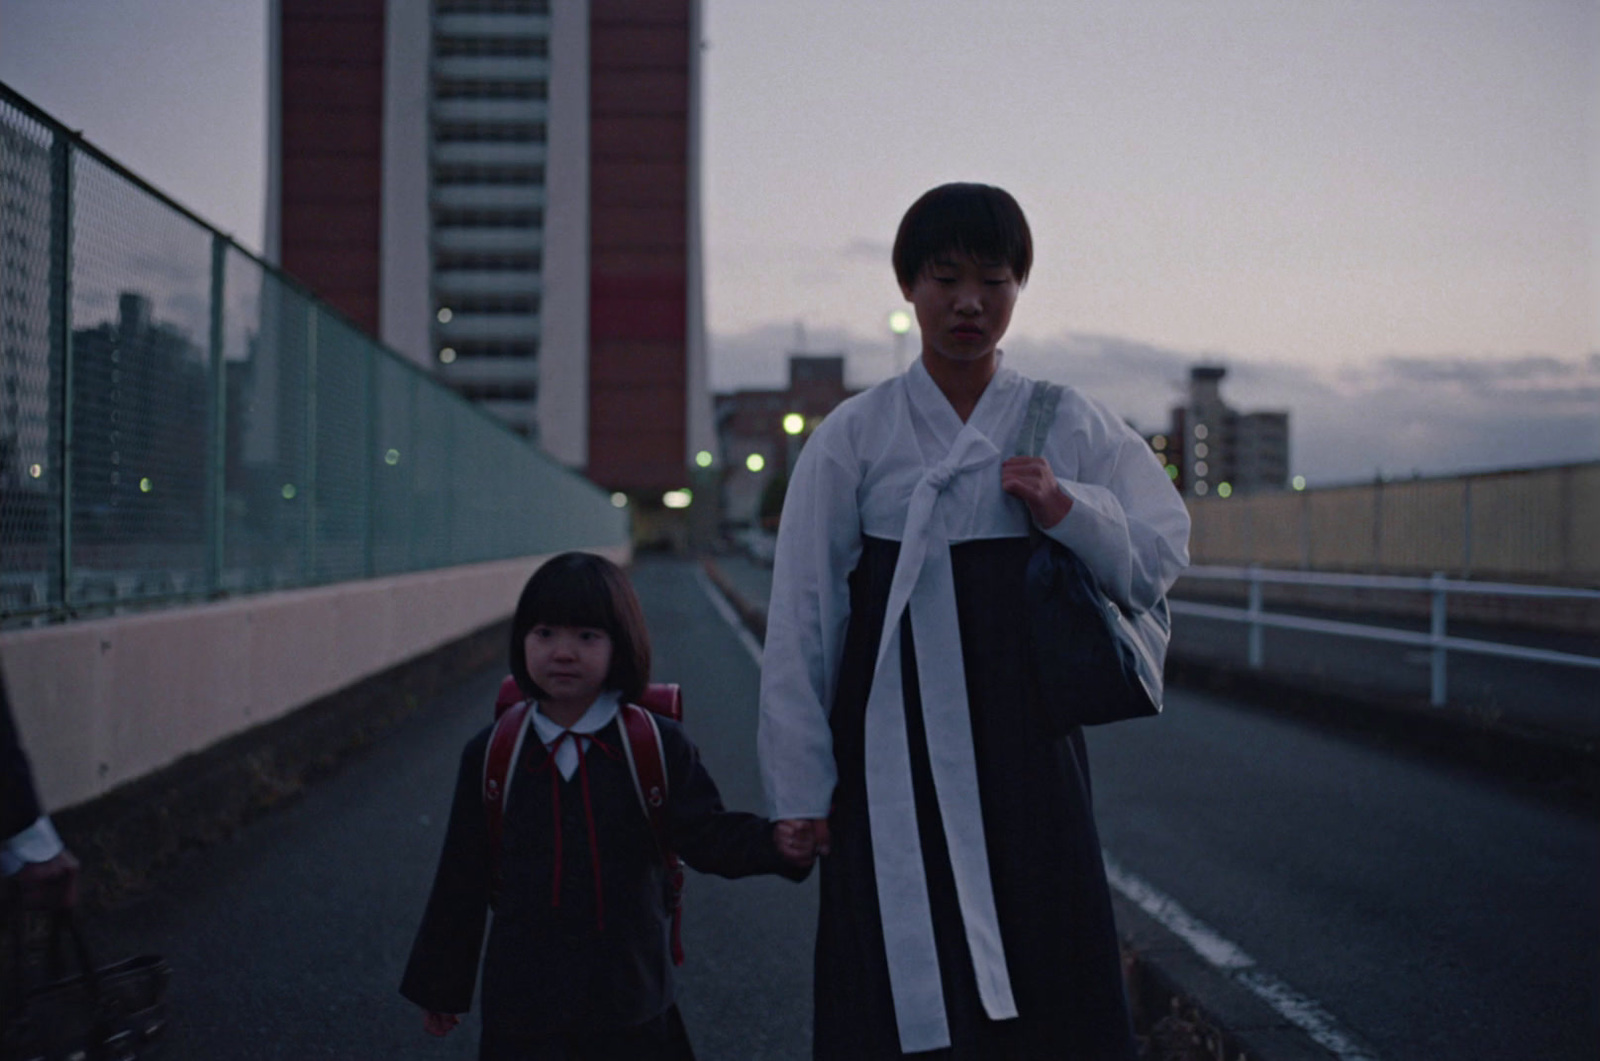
pixel 569 663
pixel 963 306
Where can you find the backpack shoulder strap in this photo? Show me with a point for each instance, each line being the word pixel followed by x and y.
pixel 505 744
pixel 647 763
pixel 1039 418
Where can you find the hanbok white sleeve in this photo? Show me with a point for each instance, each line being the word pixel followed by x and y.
pixel 819 543
pixel 1127 522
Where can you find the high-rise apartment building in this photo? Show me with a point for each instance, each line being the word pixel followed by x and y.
pixel 506 191
pixel 1210 447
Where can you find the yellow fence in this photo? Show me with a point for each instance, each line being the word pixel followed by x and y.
pixel 1538 525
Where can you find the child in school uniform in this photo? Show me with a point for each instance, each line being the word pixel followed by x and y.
pixel 578 963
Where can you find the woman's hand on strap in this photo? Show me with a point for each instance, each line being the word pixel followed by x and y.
pixel 1031 480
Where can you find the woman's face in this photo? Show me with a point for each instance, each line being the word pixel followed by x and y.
pixel 963 306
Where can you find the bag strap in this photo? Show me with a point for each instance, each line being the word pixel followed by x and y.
pixel 647 766
pixel 505 744
pixel 1038 420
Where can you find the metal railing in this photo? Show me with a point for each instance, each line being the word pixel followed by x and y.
pixel 181 421
pixel 1436 639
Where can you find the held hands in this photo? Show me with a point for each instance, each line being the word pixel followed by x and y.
pixel 801 840
pixel 439 1023
pixel 1031 480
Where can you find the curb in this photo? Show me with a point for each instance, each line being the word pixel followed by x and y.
pixel 1170 987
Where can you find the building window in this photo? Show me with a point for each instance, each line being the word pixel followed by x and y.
pixel 514 47
pixel 490 132
pixel 495 304
pixel 463 174
pixel 490 89
pixel 491 7
pixel 486 261
pixel 485 218
pixel 467 349
pixel 498 392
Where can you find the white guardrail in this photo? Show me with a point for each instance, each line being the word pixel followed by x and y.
pixel 1436 638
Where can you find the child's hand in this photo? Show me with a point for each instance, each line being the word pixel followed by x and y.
pixel 800 841
pixel 439 1023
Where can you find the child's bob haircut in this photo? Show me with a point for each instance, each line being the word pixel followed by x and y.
pixel 582 589
pixel 979 221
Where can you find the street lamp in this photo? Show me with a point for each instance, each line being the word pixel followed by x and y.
pixel 793 424
pixel 899 323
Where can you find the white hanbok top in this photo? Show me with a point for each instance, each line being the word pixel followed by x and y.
pixel 897 463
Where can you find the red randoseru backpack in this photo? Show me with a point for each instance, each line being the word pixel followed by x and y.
pixel 646 764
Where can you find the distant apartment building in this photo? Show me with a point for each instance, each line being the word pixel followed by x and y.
pixel 506 192
pixel 761 432
pixel 1210 448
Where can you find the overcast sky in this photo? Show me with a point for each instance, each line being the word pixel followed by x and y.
pixel 1355 204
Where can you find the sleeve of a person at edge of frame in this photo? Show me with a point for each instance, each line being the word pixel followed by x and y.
pixel 711 838
pixel 26 835
pixel 819 543
pixel 443 967
pixel 1127 522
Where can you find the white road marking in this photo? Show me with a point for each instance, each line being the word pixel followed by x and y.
pixel 718 601
pixel 1303 1012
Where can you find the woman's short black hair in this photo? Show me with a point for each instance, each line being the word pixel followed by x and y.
pixel 978 220
pixel 582 589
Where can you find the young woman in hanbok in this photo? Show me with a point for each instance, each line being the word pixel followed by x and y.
pixel 964 903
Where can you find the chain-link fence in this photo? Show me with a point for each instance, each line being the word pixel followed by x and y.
pixel 179 421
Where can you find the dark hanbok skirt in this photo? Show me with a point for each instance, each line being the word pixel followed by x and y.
pixel 1050 889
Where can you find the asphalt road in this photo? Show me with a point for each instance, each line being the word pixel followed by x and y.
pixel 288 941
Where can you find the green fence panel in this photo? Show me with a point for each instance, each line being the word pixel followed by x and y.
pixel 180 421
pixel 139 352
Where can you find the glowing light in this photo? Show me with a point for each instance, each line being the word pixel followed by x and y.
pixel 619 500
pixel 35 470
pixel 793 424
pixel 1158 443
pixel 1299 482
pixel 703 458
pixel 392 457
pixel 899 322
pixel 448 355
pixel 1172 471
pixel 1201 488
pixel 289 491
pixel 1224 489
pixel 677 498
pixel 445 315
pixel 1200 431
pixel 755 462
pixel 145 486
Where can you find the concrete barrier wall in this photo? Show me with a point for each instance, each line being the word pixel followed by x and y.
pixel 103 702
pixel 1534 525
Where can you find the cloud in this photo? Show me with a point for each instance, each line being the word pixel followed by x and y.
pixel 1400 415
pixel 872 250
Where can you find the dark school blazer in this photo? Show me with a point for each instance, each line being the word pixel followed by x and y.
pixel 559 955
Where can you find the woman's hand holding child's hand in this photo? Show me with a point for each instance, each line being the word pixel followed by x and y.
pixel 800 841
pixel 439 1023
pixel 1031 479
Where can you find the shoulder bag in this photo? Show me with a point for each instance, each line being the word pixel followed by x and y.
pixel 1094 661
